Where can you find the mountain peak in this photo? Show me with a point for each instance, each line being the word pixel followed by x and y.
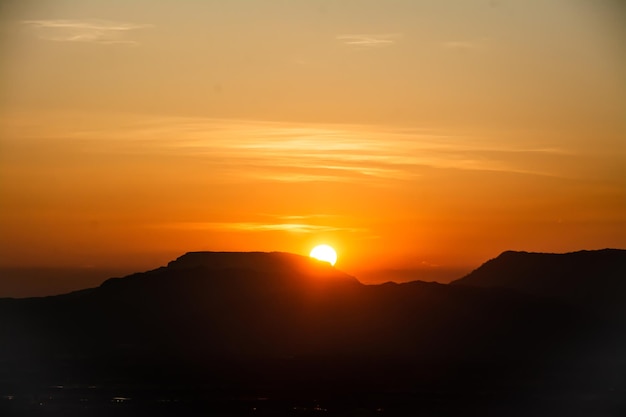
pixel 596 252
pixel 227 260
pixel 265 262
pixel 595 275
pixel 277 268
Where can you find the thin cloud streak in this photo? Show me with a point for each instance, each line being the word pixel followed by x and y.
pixel 258 227
pixel 87 31
pixel 369 41
pixel 291 152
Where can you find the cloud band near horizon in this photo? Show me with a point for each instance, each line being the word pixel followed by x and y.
pixel 86 31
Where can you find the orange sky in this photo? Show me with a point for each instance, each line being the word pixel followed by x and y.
pixel 410 135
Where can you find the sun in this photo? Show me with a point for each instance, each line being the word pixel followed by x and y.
pixel 324 253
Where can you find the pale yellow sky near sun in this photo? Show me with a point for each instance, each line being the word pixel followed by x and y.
pixel 426 135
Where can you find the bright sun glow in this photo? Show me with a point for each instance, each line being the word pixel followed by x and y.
pixel 324 253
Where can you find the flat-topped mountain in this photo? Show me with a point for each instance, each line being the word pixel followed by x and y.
pixel 268 262
pixel 246 272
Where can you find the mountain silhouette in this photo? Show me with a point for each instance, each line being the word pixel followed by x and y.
pixel 594 279
pixel 290 327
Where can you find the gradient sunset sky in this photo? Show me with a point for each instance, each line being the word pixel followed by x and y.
pixel 426 136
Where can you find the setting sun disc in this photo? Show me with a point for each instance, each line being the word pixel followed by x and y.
pixel 324 253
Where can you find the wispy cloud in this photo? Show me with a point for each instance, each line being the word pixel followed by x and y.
pixel 91 30
pixel 259 227
pixel 252 151
pixel 369 40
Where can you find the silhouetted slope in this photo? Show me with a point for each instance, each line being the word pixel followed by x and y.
pixel 595 279
pixel 281 304
pixel 220 302
pixel 287 325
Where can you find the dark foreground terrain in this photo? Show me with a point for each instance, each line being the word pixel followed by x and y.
pixel 232 334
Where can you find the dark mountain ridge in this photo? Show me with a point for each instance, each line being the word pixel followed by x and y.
pixel 594 279
pixel 289 325
pixel 280 303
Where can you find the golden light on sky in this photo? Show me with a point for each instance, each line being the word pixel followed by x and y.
pixel 417 137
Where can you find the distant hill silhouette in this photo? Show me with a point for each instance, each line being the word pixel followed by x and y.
pixel 289 326
pixel 588 278
pixel 268 303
